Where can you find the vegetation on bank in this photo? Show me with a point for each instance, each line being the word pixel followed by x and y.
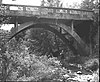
pixel 23 59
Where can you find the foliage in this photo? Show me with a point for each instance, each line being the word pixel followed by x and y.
pixel 18 64
pixel 51 3
pixel 89 4
pixel 3 20
pixel 44 42
pixel 24 66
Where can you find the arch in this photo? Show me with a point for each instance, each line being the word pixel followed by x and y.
pixel 50 26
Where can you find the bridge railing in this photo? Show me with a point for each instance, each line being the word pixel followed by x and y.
pixel 45 12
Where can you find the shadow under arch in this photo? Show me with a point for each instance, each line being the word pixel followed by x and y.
pixel 49 27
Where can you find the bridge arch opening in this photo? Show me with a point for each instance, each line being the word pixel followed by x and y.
pixel 49 27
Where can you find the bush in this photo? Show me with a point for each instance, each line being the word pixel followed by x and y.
pixel 18 64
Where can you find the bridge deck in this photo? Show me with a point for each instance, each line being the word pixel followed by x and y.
pixel 44 12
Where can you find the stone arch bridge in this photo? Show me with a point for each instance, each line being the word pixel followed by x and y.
pixel 71 25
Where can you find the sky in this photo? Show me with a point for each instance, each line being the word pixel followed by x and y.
pixel 7 26
pixel 37 2
pixel 66 3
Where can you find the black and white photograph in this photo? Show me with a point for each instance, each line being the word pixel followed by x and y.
pixel 49 40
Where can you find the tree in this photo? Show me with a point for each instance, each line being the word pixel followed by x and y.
pixel 51 3
pixel 89 4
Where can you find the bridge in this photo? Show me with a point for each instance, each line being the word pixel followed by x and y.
pixel 68 24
